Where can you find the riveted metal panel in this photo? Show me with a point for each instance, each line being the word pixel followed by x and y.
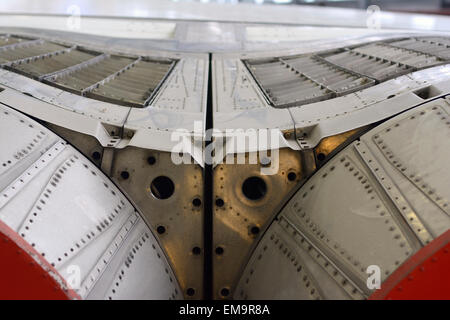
pixel 27 51
pixel 177 216
pixel 294 81
pixel 398 55
pixel 80 218
pixel 16 156
pixel 341 114
pixel 295 265
pixel 413 149
pixel 355 224
pixel 243 208
pixel 368 65
pixel 437 46
pixel 75 217
pixel 123 80
pixel 363 207
pixel 51 64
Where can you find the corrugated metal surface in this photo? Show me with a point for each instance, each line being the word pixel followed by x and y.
pixel 439 47
pixel 294 81
pixel 123 80
pixel 28 50
pixel 51 64
pixel 133 86
pixel 373 67
pixel 305 79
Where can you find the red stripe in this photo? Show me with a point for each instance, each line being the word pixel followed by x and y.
pixel 25 274
pixel 426 275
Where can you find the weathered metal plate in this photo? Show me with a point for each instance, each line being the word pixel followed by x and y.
pixel 245 202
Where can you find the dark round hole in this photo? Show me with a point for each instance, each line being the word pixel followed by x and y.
pixel 254 230
pixel 151 160
pixel 196 250
pixel 219 251
pixel 197 202
pixel 225 292
pixel 161 229
pixel 219 202
pixel 321 156
pixel 125 175
pixel 162 187
pixel 292 176
pixel 190 292
pixel 96 155
pixel 254 188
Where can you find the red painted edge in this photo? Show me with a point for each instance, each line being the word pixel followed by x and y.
pixel 424 276
pixel 25 274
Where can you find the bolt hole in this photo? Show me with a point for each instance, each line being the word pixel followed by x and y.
pixel 254 230
pixel 254 188
pixel 96 155
pixel 225 292
pixel 196 251
pixel 190 292
pixel 292 176
pixel 161 229
pixel 151 160
pixel 162 187
pixel 125 175
pixel 321 156
pixel 219 202
pixel 196 202
pixel 219 251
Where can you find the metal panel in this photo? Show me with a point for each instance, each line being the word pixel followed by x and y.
pixel 29 50
pixel 398 55
pixel 370 66
pixel 75 217
pixel 6 40
pixel 285 86
pixel 245 202
pixel 319 120
pixel 52 64
pixel 298 80
pixel 176 216
pixel 80 219
pixel 123 80
pixel 375 225
pixel 86 77
pixel 437 46
pixel 16 156
pixel 414 150
pixel 134 85
pixel 298 270
pixel 337 80
pixel 381 217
